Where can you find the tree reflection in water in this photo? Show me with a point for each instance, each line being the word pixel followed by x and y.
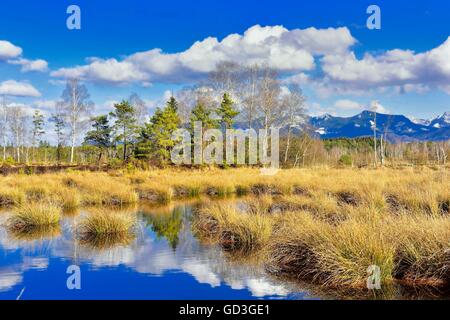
pixel 166 225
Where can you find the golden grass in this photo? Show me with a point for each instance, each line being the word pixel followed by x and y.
pixel 423 251
pixel 101 189
pixel 10 196
pixel 106 242
pixel 332 234
pixel 29 216
pixel 103 228
pixel 233 229
pixel 37 192
pixel 70 190
pixel 328 225
pixel 154 193
pixel 416 190
pixel 68 198
pixel 350 249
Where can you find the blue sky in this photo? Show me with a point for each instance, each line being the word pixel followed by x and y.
pixel 405 65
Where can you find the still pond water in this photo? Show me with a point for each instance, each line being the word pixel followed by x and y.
pixel 164 261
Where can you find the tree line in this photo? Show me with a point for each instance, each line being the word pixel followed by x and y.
pixel 233 96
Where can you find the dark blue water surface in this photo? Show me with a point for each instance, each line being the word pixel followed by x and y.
pixel 164 261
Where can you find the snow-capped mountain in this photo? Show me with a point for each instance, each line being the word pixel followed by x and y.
pixel 438 122
pixel 396 127
pixel 423 122
pixel 442 121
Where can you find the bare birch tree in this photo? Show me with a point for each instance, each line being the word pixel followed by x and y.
pixel 374 127
pixel 294 113
pixel 17 123
pixel 185 98
pixel 227 78
pixel 77 108
pixel 58 118
pixel 384 140
pixel 269 106
pixel 140 108
pixel 249 93
pixel 3 125
pixel 189 97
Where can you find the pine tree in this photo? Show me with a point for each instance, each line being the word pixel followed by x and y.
pixel 58 119
pixel 125 125
pixel 38 129
pixel 227 112
pixel 202 114
pixel 156 137
pixel 172 104
pixel 100 137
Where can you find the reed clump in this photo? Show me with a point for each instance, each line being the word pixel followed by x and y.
pixel 103 228
pixel 233 229
pixel 10 196
pixel 333 255
pixel 290 251
pixel 304 240
pixel 423 250
pixel 68 198
pixel 36 192
pixel 29 216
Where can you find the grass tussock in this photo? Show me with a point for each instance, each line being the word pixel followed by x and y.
pixel 290 251
pixel 11 196
pixel 302 239
pixel 423 251
pixel 68 198
pixel 30 216
pixel 233 229
pixel 106 228
pixel 413 249
pixel 36 192
pixel 334 255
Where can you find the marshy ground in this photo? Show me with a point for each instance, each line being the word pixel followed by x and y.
pixel 324 226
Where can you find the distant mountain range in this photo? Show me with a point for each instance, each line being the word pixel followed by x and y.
pixel 397 127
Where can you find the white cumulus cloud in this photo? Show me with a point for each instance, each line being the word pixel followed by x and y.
pixel 8 50
pixel 31 65
pixel 276 46
pixel 322 59
pixel 18 89
pixel 12 54
pixel 403 69
pixel 346 104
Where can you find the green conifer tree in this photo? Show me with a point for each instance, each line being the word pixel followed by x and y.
pixel 156 137
pixel 227 112
pixel 100 137
pixel 125 125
